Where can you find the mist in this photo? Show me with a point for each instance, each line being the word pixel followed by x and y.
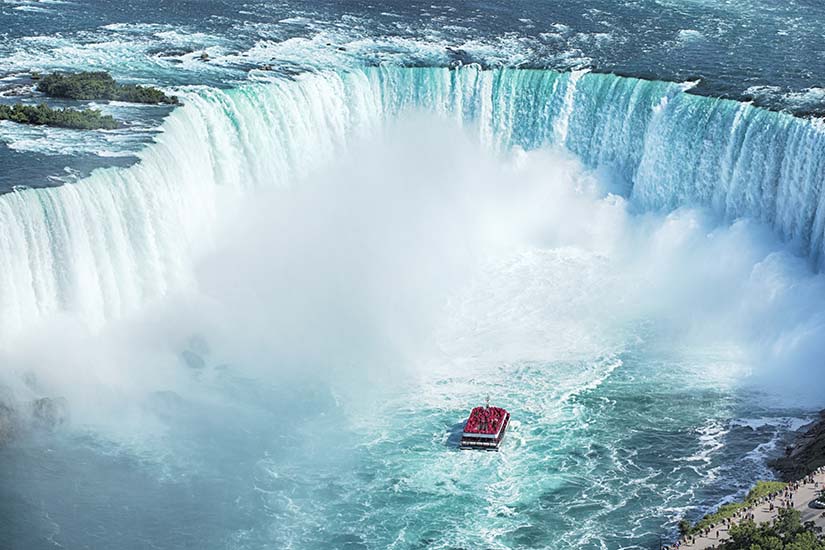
pixel 382 264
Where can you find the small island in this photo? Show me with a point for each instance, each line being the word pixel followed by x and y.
pixel 84 86
pixel 43 115
pixel 99 85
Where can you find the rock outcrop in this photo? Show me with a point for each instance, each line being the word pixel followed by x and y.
pixel 44 413
pixel 49 413
pixel 8 423
pixel 804 454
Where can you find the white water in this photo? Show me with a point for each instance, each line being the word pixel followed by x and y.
pixel 272 338
pixel 85 255
pixel 122 238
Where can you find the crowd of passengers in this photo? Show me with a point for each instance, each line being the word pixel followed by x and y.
pixel 485 420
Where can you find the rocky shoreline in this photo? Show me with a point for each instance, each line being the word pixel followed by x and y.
pixel 803 461
pixel 804 453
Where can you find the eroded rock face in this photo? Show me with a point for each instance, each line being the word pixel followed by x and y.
pixel 49 412
pixel 8 423
pixel 805 454
pixel 46 413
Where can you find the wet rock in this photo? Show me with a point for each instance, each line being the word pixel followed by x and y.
pixel 8 423
pixel 49 412
pixel 17 90
pixel 170 52
pixel 196 352
pixel 805 453
pixel 193 360
pixel 43 413
pixel 458 57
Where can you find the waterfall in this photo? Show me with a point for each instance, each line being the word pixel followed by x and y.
pixel 123 237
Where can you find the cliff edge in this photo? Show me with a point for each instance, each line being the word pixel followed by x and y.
pixel 804 454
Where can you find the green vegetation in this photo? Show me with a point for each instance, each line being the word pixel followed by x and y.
pixel 685 527
pixel 101 86
pixel 762 489
pixel 87 119
pixel 786 533
pixel 85 86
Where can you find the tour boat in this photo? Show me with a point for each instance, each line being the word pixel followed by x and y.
pixel 485 428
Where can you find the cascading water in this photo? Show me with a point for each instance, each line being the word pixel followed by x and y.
pixel 280 406
pixel 124 236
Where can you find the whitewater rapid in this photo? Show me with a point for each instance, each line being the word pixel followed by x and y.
pixel 273 324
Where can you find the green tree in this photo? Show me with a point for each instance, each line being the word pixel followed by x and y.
pixel 99 85
pixel 786 533
pixel 684 527
pixel 87 119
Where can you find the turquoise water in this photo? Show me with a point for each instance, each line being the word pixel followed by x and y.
pixel 311 342
pixel 269 329
pixel 754 51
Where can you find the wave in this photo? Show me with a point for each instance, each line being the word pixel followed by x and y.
pixel 123 237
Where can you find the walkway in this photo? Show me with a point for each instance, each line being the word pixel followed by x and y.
pixel 801 498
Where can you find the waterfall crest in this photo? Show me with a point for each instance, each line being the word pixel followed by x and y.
pixel 123 237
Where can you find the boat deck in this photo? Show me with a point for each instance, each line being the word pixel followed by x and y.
pixel 485 429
